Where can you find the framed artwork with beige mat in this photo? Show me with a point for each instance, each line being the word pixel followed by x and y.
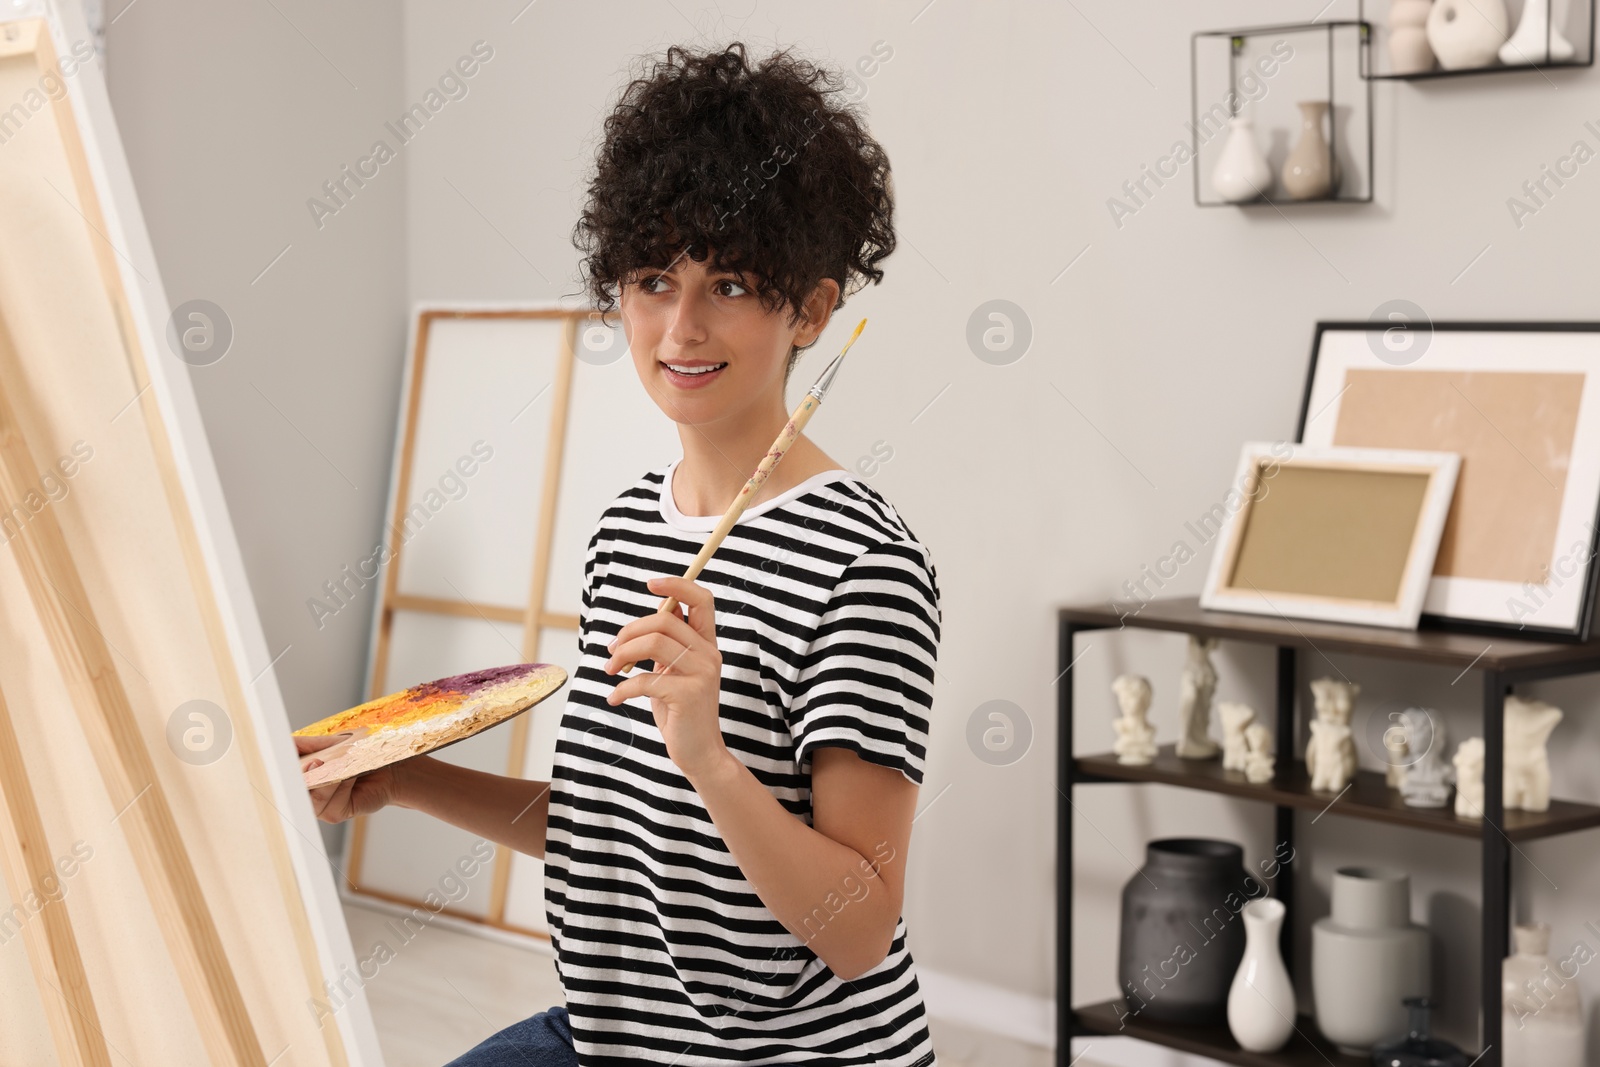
pixel 1338 534
pixel 166 896
pixel 1520 403
pixel 518 426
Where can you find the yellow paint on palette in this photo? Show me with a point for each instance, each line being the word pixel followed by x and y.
pixel 425 717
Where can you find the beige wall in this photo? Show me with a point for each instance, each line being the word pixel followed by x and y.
pixel 1169 340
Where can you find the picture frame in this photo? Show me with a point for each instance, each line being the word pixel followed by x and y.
pixel 1520 402
pixel 1335 534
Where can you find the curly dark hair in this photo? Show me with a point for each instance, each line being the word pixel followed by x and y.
pixel 763 167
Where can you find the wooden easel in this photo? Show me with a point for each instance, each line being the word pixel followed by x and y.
pixel 71 649
pixel 67 616
pixel 533 615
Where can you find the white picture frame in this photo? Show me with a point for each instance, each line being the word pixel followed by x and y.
pixel 1406 540
pixel 1556 598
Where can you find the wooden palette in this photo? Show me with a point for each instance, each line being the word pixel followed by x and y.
pixel 425 718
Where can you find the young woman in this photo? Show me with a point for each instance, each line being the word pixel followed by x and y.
pixel 726 829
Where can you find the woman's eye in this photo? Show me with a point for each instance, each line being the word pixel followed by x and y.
pixel 648 282
pixel 725 284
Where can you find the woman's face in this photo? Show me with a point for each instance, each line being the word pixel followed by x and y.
pixel 705 348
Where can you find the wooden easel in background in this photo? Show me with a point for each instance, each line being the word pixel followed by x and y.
pixel 533 616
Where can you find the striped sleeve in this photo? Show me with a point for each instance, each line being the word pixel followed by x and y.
pixel 866 680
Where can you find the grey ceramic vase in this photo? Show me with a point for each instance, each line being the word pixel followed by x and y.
pixel 1182 937
pixel 1367 957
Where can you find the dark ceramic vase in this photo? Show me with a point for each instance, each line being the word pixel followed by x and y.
pixel 1182 937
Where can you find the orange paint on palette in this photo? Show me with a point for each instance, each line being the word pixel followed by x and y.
pixel 426 717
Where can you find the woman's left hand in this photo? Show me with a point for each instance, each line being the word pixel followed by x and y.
pixel 685 689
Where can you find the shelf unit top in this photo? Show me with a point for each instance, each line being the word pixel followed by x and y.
pixel 1440 647
pixel 1369 796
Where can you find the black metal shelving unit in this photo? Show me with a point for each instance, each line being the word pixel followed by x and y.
pixel 1501 662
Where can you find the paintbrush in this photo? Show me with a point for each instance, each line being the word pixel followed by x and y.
pixel 797 422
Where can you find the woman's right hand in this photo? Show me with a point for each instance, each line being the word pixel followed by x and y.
pixel 361 795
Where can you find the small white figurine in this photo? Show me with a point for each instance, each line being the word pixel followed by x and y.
pixel 1331 753
pixel 1136 738
pixel 1235 717
pixel 1258 762
pixel 1397 753
pixel 1198 683
pixel 1527 763
pixel 1428 777
pixel 1468 762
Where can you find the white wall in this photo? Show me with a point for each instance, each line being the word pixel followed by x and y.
pixel 1171 338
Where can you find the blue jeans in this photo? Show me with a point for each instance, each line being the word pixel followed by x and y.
pixel 545 1040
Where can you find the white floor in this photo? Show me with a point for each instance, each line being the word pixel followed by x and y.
pixel 444 991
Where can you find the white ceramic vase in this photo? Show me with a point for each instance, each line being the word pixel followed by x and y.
pixel 1467 33
pixel 1408 37
pixel 1366 958
pixel 1261 1007
pixel 1241 173
pixel 1311 172
pixel 1542 1012
pixel 1530 44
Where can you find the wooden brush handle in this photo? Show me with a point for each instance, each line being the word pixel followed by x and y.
pixel 797 422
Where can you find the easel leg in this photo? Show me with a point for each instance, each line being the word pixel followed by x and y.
pixel 52 947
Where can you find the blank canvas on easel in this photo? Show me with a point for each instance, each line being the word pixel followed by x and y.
pixel 141 520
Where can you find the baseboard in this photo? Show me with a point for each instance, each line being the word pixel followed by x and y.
pixel 989 1008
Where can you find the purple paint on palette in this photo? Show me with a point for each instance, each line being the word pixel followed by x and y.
pixel 475 680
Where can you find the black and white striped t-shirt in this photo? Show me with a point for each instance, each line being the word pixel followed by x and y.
pixel 828 625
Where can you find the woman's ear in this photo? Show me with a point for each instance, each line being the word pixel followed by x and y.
pixel 818 310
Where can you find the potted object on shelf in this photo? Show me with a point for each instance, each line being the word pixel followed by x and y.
pixel 1242 173
pixel 1366 958
pixel 1311 172
pixel 1409 52
pixel 1419 1048
pixel 1542 1013
pixel 1467 33
pixel 1181 941
pixel 1538 38
pixel 1261 1008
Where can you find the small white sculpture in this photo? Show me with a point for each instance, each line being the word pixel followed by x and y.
pixel 1427 782
pixel 1468 762
pixel 1527 763
pixel 1409 52
pixel 1197 684
pixel 1235 717
pixel 1258 762
pixel 1397 752
pixel 1467 33
pixel 1136 738
pixel 1331 754
pixel 1530 43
